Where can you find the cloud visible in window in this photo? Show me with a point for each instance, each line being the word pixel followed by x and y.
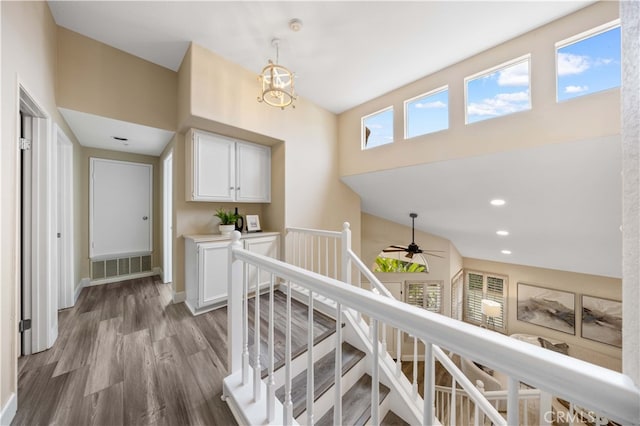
pixel 576 89
pixel 516 75
pixel 500 104
pixel 570 64
pixel 434 104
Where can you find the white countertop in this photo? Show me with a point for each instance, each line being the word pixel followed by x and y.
pixel 204 238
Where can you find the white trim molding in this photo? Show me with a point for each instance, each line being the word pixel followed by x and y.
pixel 9 410
pixel 83 283
pixel 179 297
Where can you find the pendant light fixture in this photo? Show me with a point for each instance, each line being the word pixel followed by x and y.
pixel 277 87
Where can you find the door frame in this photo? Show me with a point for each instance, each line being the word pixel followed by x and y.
pixel 44 247
pixel 66 285
pixel 167 218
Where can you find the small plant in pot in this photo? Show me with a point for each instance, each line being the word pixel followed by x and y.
pixel 227 220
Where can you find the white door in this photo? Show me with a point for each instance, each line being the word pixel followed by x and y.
pixel 214 168
pixel 167 219
pixel 120 208
pixel 254 173
pixel 213 272
pixel 65 220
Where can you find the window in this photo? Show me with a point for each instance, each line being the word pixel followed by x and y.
pixel 588 62
pixel 457 292
pixel 377 128
pixel 480 286
pixel 499 91
pixel 425 294
pixel 386 262
pixel 427 113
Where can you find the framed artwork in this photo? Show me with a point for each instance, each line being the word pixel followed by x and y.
pixel 602 320
pixel 547 307
pixel 253 223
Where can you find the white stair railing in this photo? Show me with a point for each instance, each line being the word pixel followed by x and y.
pixel 571 379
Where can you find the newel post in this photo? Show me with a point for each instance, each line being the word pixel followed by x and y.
pixel 346 259
pixel 234 307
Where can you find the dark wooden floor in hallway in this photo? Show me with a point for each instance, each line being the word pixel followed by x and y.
pixel 126 355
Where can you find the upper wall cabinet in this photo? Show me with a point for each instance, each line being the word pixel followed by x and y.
pixel 223 169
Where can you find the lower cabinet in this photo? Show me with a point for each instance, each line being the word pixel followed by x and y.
pixel 207 269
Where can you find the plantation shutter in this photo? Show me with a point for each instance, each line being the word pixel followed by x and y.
pixel 480 286
pixel 457 298
pixel 495 292
pixel 473 299
pixel 427 295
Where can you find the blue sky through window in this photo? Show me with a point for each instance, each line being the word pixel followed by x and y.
pixel 589 65
pixel 380 126
pixel 499 92
pixel 427 114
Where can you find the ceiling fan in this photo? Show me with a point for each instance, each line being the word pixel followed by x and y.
pixel 413 249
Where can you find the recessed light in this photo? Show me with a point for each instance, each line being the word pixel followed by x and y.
pixel 505 251
pixel 498 202
pixel 502 233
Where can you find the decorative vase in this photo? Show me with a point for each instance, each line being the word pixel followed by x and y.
pixel 227 229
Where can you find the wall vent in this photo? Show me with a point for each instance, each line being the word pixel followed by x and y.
pixel 120 267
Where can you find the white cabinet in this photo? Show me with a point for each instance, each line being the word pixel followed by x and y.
pixel 224 169
pixel 207 267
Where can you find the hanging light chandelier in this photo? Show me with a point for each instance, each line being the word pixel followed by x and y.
pixel 277 88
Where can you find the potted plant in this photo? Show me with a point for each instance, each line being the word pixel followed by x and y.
pixel 227 220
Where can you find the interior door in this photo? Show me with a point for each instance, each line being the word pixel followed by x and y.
pixel 120 208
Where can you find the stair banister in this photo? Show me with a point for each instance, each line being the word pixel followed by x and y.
pixel 617 396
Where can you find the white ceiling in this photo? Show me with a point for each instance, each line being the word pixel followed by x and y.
pixel 563 204
pixel 563 201
pixel 97 132
pixel 346 53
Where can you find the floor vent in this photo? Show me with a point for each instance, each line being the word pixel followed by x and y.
pixel 122 266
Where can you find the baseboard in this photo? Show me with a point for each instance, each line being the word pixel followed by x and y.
pixel 158 271
pixel 9 410
pixel 179 297
pixel 83 283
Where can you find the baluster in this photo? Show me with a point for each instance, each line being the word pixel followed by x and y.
pixel 399 351
pixel 453 405
pixel 335 258
pixel 384 337
pixel 526 411
pixel 429 383
pixel 326 256
pixel 294 248
pixel 310 378
pixel 476 409
pixel 271 383
pixel 245 326
pixel 257 368
pixel 337 407
pixel 319 255
pixel 375 379
pixel 415 368
pixel 311 254
pixel 513 417
pixel 288 404
pixel 544 407
pixel 305 251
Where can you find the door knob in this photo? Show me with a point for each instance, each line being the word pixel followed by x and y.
pixel 145 217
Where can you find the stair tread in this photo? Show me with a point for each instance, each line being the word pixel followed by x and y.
pixel 392 419
pixel 323 377
pixel 356 404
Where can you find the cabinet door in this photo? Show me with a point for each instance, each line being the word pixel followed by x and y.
pixel 266 246
pixel 253 173
pixel 213 168
pixel 213 272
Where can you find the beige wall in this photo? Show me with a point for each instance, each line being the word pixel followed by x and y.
pixel 592 285
pixel 83 198
pixel 99 79
pixel 548 121
pixel 303 147
pixel 28 57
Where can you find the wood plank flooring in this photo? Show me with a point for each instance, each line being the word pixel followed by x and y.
pixel 126 355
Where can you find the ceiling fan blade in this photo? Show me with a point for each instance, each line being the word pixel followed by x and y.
pixel 393 250
pixel 409 255
pixel 434 251
pixel 398 247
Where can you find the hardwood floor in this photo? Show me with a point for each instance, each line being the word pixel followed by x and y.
pixel 126 355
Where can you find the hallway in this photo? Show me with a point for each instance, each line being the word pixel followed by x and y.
pixel 126 355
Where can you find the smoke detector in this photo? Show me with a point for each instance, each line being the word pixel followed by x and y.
pixel 295 25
